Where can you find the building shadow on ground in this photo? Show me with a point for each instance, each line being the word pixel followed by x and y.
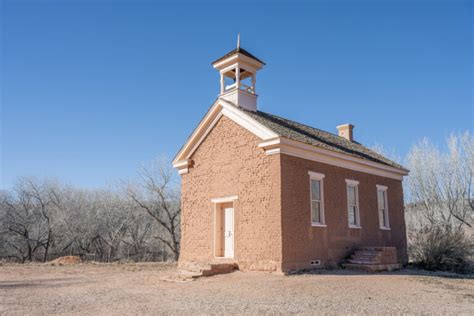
pixel 409 271
pixel 42 283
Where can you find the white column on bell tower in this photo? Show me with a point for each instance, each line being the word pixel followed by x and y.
pixel 237 77
pixel 222 84
pixel 254 82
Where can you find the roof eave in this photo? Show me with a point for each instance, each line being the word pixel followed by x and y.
pixel 282 145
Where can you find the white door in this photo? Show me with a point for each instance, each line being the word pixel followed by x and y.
pixel 229 232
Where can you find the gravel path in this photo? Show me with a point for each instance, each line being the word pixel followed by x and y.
pixel 139 289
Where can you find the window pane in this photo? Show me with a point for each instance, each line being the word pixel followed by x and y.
pixel 315 190
pixel 352 215
pixel 381 217
pixel 381 199
pixel 351 195
pixel 315 212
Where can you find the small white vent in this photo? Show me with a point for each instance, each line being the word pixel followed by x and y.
pixel 316 263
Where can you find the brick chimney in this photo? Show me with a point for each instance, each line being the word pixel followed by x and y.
pixel 345 131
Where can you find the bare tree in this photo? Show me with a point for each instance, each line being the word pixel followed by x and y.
pixel 42 219
pixel 45 196
pixel 156 195
pixel 26 218
pixel 138 236
pixel 78 221
pixel 389 153
pixel 440 203
pixel 116 220
pixel 440 185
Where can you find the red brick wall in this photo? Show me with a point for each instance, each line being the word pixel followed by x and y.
pixel 272 207
pixel 229 163
pixel 303 243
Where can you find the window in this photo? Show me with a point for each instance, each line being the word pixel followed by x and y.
pixel 382 207
pixel 317 199
pixel 353 203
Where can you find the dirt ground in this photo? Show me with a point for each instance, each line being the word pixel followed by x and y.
pixel 139 289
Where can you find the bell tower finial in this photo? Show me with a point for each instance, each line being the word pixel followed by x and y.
pixel 238 40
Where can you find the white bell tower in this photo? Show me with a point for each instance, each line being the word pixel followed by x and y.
pixel 238 70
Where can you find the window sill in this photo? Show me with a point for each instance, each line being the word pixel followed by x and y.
pixel 318 225
pixel 385 228
pixel 355 227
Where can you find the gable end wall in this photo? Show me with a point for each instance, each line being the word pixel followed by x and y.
pixel 229 163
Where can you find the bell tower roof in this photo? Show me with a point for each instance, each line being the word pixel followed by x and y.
pixel 238 50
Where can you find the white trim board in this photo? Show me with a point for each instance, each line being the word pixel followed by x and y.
pixel 181 160
pixel 220 108
pixel 316 175
pixel 273 144
pixel 225 199
pixel 289 147
pixel 352 182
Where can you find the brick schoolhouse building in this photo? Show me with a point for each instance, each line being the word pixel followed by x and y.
pixel 268 193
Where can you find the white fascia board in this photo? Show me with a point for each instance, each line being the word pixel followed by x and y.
pixel 204 134
pixel 214 111
pixel 180 163
pixel 243 58
pixel 224 61
pixel 231 67
pixel 270 143
pixel 228 68
pixel 219 108
pixel 244 120
pixel 251 61
pixel 282 145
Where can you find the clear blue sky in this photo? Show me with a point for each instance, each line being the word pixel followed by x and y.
pixel 92 89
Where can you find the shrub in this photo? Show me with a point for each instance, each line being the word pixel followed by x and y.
pixel 441 247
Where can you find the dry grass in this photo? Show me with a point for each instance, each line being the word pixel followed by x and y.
pixel 139 289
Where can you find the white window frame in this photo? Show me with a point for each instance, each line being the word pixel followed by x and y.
pixel 318 177
pixel 355 185
pixel 384 189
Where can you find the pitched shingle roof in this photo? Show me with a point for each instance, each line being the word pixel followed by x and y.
pixel 316 137
pixel 235 51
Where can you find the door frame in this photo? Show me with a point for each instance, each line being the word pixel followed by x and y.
pixel 217 202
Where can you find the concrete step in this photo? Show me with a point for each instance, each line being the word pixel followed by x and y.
pixel 380 249
pixel 372 267
pixel 358 255
pixel 365 259
pixel 198 269
pixel 367 262
pixel 368 253
pixel 218 268
pixel 373 259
